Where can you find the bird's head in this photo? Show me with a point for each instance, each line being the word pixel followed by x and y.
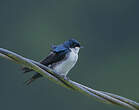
pixel 73 44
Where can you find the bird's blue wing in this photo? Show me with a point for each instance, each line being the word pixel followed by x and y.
pixel 55 56
pixel 59 48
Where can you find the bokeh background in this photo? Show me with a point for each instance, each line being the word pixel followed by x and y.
pixel 109 31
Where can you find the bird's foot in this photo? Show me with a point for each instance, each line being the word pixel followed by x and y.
pixel 65 77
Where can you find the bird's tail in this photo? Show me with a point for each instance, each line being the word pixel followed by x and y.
pixel 33 78
pixel 25 69
pixel 29 81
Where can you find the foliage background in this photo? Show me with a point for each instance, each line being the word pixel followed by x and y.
pixel 107 29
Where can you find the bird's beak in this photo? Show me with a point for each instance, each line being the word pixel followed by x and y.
pixel 81 47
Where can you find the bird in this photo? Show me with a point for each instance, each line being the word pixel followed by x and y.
pixel 62 58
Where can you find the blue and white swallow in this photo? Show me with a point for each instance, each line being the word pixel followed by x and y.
pixel 61 59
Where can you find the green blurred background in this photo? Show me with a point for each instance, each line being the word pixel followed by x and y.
pixel 109 31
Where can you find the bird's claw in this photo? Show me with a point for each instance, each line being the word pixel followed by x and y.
pixel 65 77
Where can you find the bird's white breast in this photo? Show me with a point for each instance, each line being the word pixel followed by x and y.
pixel 66 65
